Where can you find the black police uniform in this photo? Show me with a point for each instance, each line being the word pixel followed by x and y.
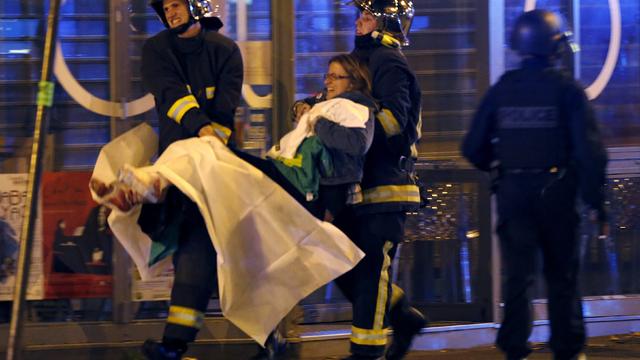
pixel 195 82
pixel 536 129
pixel 377 224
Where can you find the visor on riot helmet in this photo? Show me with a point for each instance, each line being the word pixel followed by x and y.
pixel 207 12
pixel 394 16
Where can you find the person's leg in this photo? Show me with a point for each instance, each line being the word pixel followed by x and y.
pixel 561 265
pixel 405 320
pixel 518 240
pixel 368 285
pixel 518 197
pixel 346 223
pixel 194 282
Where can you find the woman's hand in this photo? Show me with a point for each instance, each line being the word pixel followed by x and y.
pixel 300 108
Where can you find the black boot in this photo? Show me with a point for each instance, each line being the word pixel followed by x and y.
pixel 361 357
pixel 275 346
pixel 406 323
pixel 153 350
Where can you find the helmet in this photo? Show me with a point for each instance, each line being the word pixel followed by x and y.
pixel 540 33
pixel 204 11
pixel 394 16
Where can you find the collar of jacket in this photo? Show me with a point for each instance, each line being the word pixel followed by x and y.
pixel 366 42
pixel 189 45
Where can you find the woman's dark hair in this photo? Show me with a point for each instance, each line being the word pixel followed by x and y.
pixel 357 70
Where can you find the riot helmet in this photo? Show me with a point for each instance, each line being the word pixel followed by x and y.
pixel 207 12
pixel 541 33
pixel 393 16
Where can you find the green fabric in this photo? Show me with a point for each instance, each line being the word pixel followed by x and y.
pixel 165 242
pixel 312 161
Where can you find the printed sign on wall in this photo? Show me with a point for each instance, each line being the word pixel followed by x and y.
pixel 13 195
pixel 77 243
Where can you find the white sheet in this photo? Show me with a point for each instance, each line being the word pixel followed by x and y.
pixel 272 253
pixel 341 111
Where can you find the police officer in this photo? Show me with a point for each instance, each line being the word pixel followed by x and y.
pixel 389 189
pixel 536 130
pixel 195 76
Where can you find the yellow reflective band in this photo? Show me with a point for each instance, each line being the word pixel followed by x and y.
pixel 369 336
pixel 396 294
pixel 419 125
pixel 392 193
pixel 389 122
pixel 383 287
pixel 223 132
pixel 295 162
pixel 210 92
pixel 45 93
pixel 389 41
pixel 184 316
pixel 414 151
pixel 181 106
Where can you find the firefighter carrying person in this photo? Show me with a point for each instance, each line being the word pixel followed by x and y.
pixel 389 186
pixel 195 75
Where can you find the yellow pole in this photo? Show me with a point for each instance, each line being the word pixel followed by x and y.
pixel 44 101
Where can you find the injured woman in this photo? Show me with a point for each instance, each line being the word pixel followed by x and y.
pixel 263 216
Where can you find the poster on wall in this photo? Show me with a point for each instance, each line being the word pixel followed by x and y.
pixel 156 289
pixel 77 243
pixel 13 196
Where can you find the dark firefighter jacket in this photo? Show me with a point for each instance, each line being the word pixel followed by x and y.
pixel 388 183
pixel 195 82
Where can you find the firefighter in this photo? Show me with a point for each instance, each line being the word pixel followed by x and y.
pixel 536 130
pixel 389 187
pixel 195 75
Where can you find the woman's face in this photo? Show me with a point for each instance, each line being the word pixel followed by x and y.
pixel 336 80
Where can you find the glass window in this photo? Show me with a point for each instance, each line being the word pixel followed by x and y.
pixel 609 66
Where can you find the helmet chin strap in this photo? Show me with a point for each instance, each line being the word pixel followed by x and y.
pixel 178 30
pixel 385 39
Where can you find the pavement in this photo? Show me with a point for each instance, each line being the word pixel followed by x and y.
pixel 600 348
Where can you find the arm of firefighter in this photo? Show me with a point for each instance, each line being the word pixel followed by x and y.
pixel 391 88
pixel 476 146
pixel 354 141
pixel 589 152
pixel 227 93
pixel 173 97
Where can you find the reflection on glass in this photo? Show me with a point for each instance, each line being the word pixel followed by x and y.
pixel 610 266
pixel 619 103
pixel 438 261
